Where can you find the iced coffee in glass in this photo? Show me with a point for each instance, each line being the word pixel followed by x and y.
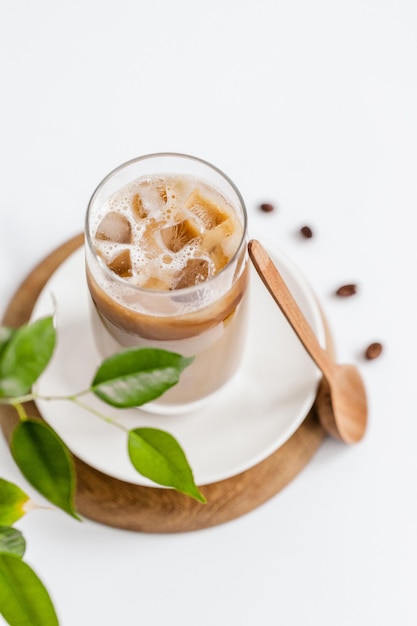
pixel 167 267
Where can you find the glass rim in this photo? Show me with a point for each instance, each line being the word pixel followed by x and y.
pixel 184 290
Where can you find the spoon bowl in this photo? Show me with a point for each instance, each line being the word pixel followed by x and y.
pixel 343 414
pixel 341 400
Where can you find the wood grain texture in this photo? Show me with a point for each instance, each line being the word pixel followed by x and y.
pixel 120 504
pixel 342 405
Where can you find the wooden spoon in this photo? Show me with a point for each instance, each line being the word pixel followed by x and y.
pixel 341 400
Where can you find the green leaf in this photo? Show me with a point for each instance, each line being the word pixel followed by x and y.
pixel 12 502
pixel 46 462
pixel 25 356
pixel 157 455
pixel 6 334
pixel 24 601
pixel 136 376
pixel 12 541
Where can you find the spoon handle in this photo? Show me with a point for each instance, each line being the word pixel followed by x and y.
pixel 276 286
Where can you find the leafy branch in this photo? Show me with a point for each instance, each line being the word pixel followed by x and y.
pixel 128 379
pixel 23 597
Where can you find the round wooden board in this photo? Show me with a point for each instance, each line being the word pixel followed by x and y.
pixel 110 501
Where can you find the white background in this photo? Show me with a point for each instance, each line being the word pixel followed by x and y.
pixel 309 105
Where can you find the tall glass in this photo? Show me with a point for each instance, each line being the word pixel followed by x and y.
pixel 169 269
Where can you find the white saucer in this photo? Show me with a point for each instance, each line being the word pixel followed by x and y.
pixel 246 422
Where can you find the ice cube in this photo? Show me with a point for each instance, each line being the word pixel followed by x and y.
pixel 217 236
pixel 121 264
pixel 138 209
pixel 149 242
pixel 218 257
pixel 206 210
pixel 153 195
pixel 114 227
pixel 178 235
pixel 162 191
pixel 196 271
pixel 155 283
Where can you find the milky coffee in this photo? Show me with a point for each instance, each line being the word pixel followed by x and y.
pixel 167 268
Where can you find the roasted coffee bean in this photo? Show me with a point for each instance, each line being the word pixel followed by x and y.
pixel 346 290
pixel 267 207
pixel 373 350
pixel 306 232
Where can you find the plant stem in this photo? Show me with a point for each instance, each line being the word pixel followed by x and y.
pixel 18 402
pixel 90 409
pixel 71 398
pixel 20 411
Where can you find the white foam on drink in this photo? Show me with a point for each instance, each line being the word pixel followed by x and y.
pixel 164 199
